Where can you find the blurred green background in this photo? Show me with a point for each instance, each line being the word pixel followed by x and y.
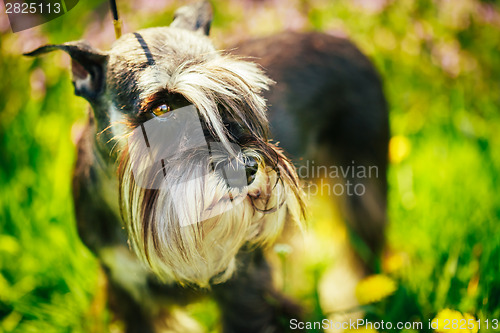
pixel 440 61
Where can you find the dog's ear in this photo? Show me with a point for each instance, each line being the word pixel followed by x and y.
pixel 87 65
pixel 195 17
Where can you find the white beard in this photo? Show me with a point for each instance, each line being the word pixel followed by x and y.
pixel 190 229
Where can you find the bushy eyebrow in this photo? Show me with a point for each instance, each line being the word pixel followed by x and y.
pixel 152 100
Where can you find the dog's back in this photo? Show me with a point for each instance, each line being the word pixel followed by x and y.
pixel 328 106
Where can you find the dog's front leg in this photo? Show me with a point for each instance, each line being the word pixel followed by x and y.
pixel 250 303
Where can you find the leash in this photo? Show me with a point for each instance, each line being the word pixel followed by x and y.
pixel 117 23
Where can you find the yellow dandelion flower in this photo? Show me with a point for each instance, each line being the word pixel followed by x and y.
pixel 374 288
pixel 453 321
pixel 399 148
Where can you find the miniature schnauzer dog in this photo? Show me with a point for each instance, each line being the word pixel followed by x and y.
pixel 178 187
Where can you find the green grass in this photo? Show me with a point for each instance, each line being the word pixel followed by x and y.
pixel 441 68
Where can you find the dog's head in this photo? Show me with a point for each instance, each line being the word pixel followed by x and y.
pixel 187 127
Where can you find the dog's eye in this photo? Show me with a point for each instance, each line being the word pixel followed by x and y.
pixel 161 110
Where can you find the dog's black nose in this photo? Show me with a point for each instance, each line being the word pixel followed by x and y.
pixel 232 171
pixel 251 168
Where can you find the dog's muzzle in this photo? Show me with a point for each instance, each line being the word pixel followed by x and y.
pixel 174 154
pixel 177 140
